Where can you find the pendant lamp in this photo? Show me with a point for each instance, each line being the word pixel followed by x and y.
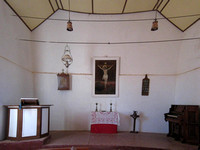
pixel 69 23
pixel 155 24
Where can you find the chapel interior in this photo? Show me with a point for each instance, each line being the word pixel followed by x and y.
pixel 100 74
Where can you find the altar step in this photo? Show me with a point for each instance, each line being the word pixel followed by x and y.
pixel 32 144
pixel 64 140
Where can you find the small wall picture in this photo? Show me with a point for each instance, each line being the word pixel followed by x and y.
pixel 145 86
pixel 105 76
pixel 63 81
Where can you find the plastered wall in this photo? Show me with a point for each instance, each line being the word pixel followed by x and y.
pixel 71 110
pixel 16 78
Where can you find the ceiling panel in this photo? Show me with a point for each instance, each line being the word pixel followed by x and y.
pixel 55 6
pixel 31 8
pixel 108 6
pixel 139 5
pixel 162 4
pixel 84 6
pixel 32 23
pixel 59 4
pixel 186 7
pixel 181 13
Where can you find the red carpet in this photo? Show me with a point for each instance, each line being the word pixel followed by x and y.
pixel 105 148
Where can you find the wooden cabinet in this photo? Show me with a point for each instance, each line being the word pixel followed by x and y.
pixel 191 125
pixel 27 122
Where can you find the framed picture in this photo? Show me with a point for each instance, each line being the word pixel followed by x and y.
pixel 63 81
pixel 105 76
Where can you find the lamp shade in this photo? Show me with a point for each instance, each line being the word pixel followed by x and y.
pixel 69 26
pixel 154 25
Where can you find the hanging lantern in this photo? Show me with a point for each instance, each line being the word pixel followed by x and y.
pixel 69 26
pixel 67 57
pixel 154 25
pixel 64 78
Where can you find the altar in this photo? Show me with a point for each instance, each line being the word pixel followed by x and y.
pixel 104 122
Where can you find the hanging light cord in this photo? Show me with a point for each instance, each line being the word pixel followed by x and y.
pixel 69 9
pixel 156 16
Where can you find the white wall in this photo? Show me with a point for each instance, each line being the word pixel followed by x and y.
pixel 72 108
pixel 15 81
pixel 188 84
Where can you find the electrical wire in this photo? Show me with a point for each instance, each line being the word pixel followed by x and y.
pixel 127 20
pixel 111 43
pixel 69 8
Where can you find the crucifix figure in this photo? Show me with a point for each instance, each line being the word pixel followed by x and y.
pixel 105 69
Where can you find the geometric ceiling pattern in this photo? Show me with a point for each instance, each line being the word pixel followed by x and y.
pixel 181 13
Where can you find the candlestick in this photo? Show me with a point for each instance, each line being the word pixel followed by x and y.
pixel 110 107
pixel 96 107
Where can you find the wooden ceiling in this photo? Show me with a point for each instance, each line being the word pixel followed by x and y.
pixel 181 13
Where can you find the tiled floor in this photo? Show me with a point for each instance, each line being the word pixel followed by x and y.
pixel 152 140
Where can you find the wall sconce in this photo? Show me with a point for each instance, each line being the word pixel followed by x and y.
pixel 155 24
pixel 69 23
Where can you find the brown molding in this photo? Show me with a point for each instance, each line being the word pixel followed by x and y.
pixel 156 4
pixel 100 13
pixel 8 124
pixel 124 6
pixel 17 14
pixel 61 4
pixel 30 137
pixel 92 6
pixel 48 119
pixel 44 20
pixel 45 134
pixel 176 25
pixel 51 5
pixel 107 13
pixel 39 121
pixel 171 22
pixel 19 124
pixel 191 24
pixel 57 4
pixel 24 21
pixel 159 4
pixel 164 6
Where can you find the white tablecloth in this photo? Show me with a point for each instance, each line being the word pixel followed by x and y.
pixel 105 118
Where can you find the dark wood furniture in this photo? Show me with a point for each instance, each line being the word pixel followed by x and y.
pixel 28 120
pixel 145 86
pixel 184 123
pixel 134 116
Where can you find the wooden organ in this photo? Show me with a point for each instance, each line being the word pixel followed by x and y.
pixel 184 123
